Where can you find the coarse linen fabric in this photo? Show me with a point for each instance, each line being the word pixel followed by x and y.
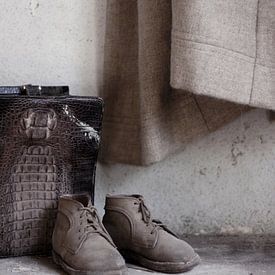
pixel 225 49
pixel 145 119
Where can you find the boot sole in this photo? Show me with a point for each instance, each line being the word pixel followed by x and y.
pixel 58 260
pixel 165 267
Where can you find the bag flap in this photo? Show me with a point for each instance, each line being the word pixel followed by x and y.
pixel 31 90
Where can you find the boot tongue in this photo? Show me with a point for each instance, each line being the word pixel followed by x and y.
pixel 94 223
pixel 84 199
pixel 145 212
pixel 146 216
pixel 92 218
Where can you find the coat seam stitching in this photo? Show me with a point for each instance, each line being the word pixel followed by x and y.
pixel 256 52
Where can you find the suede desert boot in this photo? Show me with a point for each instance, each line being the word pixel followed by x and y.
pixel 81 244
pixel 143 240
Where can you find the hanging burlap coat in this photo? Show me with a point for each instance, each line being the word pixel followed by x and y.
pixel 168 65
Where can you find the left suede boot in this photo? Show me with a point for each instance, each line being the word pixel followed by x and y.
pixel 146 241
pixel 81 244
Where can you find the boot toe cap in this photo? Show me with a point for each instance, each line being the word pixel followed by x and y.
pixel 106 260
pixel 172 249
pixel 184 253
pixel 98 255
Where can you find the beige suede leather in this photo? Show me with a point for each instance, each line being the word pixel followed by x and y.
pixel 81 244
pixel 144 240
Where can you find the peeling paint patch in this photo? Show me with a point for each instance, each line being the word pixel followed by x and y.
pixel 33 6
pixel 235 153
pixel 246 126
pixel 219 171
pixel 203 171
pixel 230 230
pixel 235 149
pixel 261 138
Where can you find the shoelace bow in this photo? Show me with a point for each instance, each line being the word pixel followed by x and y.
pixel 94 223
pixel 146 217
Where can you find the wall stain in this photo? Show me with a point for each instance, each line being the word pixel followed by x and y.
pixel 219 171
pixel 33 6
pixel 203 171
pixel 246 126
pixel 235 150
pixel 262 141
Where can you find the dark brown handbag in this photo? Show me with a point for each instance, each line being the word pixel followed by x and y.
pixel 49 143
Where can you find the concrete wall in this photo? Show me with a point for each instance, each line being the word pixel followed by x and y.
pixel 223 183
pixel 53 42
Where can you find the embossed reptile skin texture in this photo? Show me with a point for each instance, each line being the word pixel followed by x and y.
pixel 48 147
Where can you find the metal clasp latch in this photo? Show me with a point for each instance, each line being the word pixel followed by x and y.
pixel 31 90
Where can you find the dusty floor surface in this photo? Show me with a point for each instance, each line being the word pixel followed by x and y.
pixel 219 257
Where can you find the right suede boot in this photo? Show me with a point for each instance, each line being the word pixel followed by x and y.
pixel 81 244
pixel 144 240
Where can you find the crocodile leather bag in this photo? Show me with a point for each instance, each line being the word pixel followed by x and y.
pixel 49 143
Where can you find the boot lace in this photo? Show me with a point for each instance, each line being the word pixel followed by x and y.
pixel 94 224
pixel 154 223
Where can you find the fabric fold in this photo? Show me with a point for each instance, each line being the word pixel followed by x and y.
pixel 145 119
